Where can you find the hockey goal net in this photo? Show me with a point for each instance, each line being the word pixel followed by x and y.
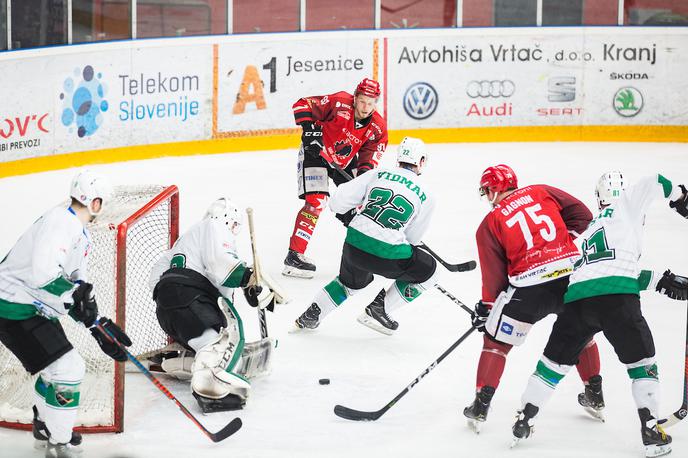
pixel 136 226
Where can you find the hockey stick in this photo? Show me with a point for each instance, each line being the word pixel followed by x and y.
pixel 232 427
pixel 455 300
pixel 262 319
pixel 359 415
pixel 682 412
pixel 461 267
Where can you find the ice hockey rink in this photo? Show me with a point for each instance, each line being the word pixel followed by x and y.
pixel 290 415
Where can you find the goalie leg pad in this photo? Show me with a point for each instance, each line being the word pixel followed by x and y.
pixel 179 367
pixel 255 360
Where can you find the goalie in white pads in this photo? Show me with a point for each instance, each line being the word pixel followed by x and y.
pixel 193 285
pixel 42 278
pixel 381 239
pixel 603 295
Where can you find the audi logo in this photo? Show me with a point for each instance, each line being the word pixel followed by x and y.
pixel 420 100
pixel 494 88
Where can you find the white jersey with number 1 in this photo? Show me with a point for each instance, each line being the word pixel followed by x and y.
pixel 612 243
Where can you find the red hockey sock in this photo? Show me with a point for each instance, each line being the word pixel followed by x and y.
pixel 589 361
pixel 305 222
pixel 491 364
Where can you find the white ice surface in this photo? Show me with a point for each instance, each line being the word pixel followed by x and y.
pixel 290 415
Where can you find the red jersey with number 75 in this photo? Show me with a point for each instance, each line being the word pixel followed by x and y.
pixel 343 136
pixel 527 238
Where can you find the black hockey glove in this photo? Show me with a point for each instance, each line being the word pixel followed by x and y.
pixel 346 218
pixel 480 314
pixel 674 286
pixel 312 139
pixel 681 204
pixel 85 308
pixel 109 347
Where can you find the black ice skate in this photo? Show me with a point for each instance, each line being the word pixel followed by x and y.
pixel 229 402
pixel 298 265
pixel 592 399
pixel 655 440
pixel 61 451
pixel 523 427
pixel 376 318
pixel 41 433
pixel 477 412
pixel 310 319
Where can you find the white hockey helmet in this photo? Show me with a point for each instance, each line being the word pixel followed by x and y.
pixel 609 188
pixel 224 210
pixel 412 151
pixel 88 186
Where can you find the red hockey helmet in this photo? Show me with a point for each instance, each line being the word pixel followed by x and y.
pixel 498 178
pixel 368 87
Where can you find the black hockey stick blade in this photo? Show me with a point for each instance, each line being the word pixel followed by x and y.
pixel 232 427
pixel 461 267
pixel 357 415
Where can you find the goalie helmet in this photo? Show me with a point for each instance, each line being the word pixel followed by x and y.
pixel 224 210
pixel 368 87
pixel 499 178
pixel 88 186
pixel 412 151
pixel 609 188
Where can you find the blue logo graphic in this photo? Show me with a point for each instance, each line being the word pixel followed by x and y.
pixel 420 101
pixel 83 102
pixel 507 329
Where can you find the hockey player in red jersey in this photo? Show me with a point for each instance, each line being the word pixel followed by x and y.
pixel 526 254
pixel 341 128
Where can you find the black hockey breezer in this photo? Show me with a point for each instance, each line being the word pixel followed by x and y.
pixel 478 410
pixel 376 310
pixel 310 319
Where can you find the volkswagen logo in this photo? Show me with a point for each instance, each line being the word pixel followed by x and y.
pixel 494 88
pixel 420 101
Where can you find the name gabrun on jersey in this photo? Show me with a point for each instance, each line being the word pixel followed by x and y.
pixel 343 136
pixel 528 235
pixel 613 241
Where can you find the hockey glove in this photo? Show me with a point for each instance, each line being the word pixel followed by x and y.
pixel 260 296
pixel 312 139
pixel 674 286
pixel 109 347
pixel 85 308
pixel 346 218
pixel 480 314
pixel 681 204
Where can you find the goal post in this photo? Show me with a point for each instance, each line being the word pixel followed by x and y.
pixel 137 224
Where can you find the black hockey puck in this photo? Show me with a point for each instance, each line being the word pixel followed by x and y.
pixel 324 381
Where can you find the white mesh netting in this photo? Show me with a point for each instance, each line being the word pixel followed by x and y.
pixel 146 239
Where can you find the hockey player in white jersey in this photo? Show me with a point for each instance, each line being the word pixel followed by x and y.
pixel 395 211
pixel 193 286
pixel 603 295
pixel 44 277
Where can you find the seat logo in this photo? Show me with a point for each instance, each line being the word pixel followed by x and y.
pixel 420 101
pixel 494 88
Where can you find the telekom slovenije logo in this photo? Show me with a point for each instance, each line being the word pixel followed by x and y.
pixel 83 101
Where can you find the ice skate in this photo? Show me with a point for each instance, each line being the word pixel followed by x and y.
pixel 476 413
pixel 592 398
pixel 655 440
pixel 61 451
pixel 310 319
pixel 376 318
pixel 523 428
pixel 298 265
pixel 41 433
